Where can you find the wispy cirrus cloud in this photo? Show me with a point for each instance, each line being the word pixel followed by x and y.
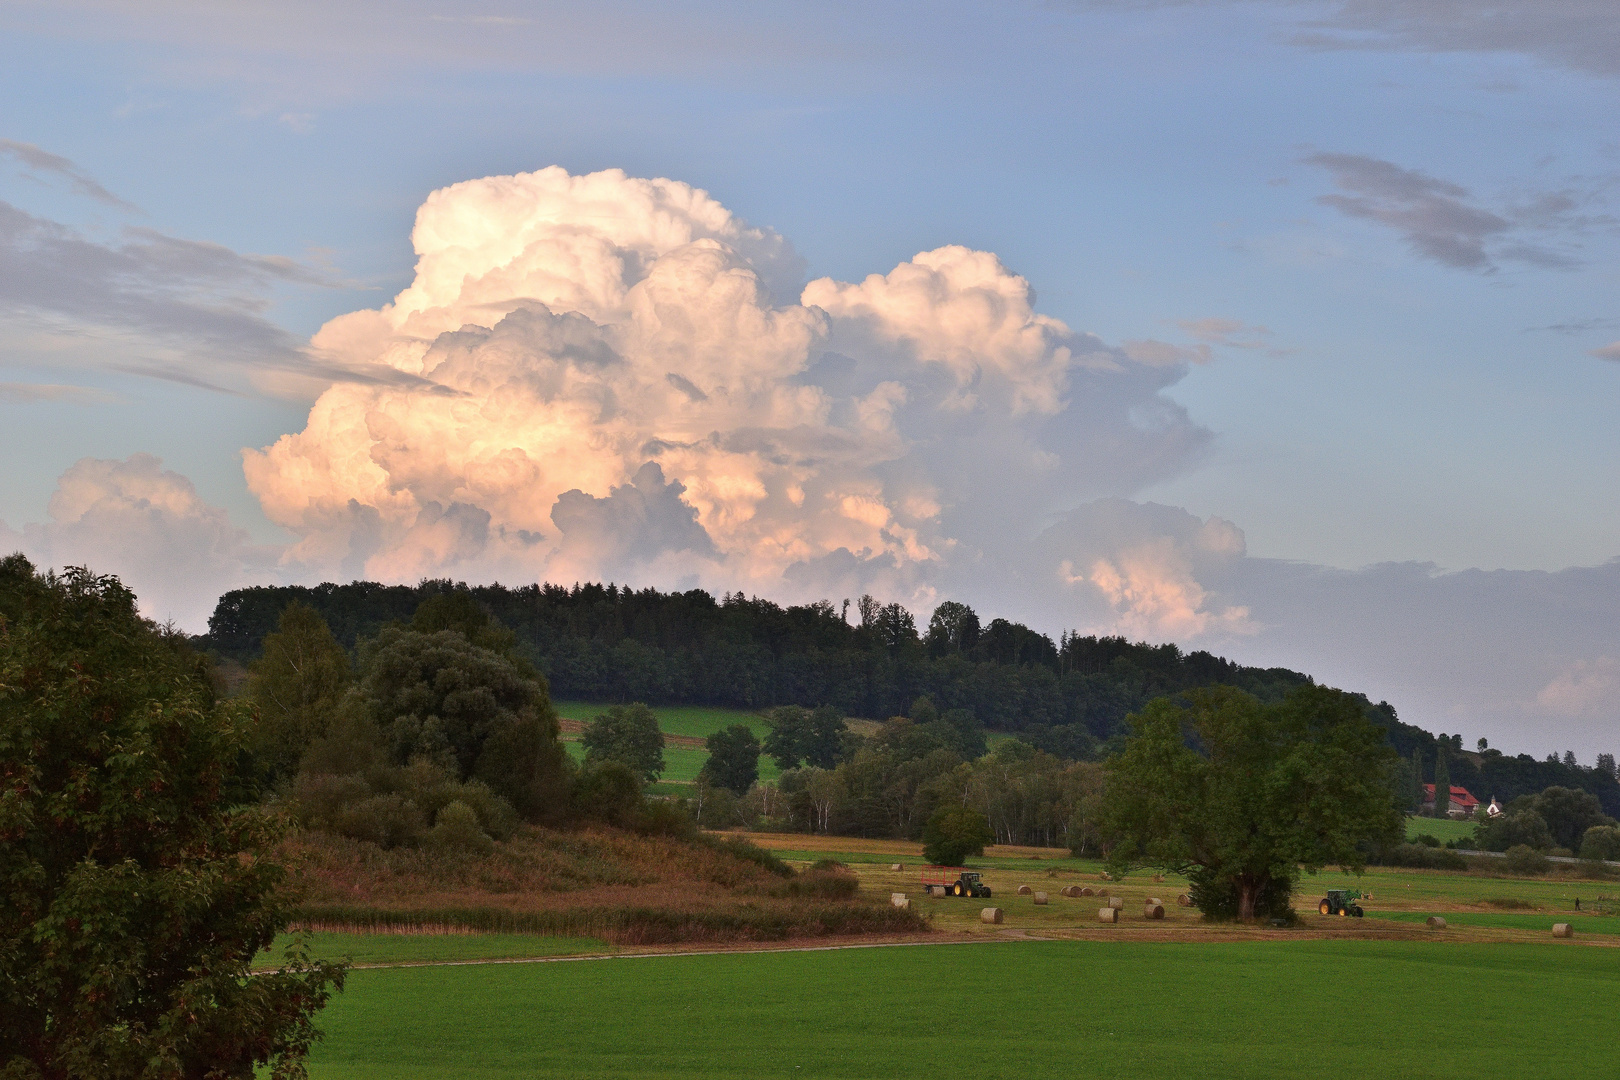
pixel 24 393
pixel 182 310
pixel 41 163
pixel 1443 221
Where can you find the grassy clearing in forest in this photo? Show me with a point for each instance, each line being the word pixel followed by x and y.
pixel 681 763
pixel 1000 1011
pixel 1442 829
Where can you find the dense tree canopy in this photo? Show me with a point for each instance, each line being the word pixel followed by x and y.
pixel 733 758
pixel 136 893
pixel 629 735
pixel 1243 795
pixel 475 712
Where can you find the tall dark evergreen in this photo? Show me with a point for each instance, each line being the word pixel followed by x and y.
pixel 1442 783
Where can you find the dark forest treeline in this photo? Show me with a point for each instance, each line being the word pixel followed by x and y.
pixel 606 643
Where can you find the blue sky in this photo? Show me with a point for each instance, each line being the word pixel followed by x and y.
pixel 1370 247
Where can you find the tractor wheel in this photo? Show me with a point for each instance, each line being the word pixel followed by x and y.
pixel 1325 908
pixel 1344 913
pixel 1359 912
pixel 956 890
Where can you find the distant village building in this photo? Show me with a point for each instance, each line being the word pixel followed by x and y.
pixel 1460 805
pixel 1495 809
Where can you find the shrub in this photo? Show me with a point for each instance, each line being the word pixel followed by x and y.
pixel 1523 859
pixel 1508 903
pixel 385 820
pixel 738 848
pixel 665 817
pixel 1426 840
pixel 1422 857
pixel 457 830
pixel 609 792
pixel 1601 842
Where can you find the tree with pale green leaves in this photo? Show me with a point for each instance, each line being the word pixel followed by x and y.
pixel 1244 796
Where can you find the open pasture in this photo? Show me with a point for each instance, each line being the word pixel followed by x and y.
pixel 1006 1010
pixel 692 721
pixel 1442 829
pixel 684 755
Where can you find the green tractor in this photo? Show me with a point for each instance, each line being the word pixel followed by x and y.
pixel 1341 902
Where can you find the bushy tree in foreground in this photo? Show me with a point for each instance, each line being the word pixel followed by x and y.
pixel 1243 796
pixel 133 895
pixel 629 735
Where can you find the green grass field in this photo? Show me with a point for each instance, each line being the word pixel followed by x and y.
pixel 697 721
pixel 1442 829
pixel 998 1011
pixel 681 763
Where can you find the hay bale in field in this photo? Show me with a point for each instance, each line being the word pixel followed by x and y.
pixel 990 915
pixel 896 867
pixel 1563 929
pixel 1102 892
pixel 1150 901
pixel 1157 878
pixel 1024 890
pixel 1108 914
pixel 1184 900
pixel 1040 898
pixel 1436 922
pixel 1116 902
pixel 901 901
pixel 1086 890
pixel 1153 911
pixel 939 891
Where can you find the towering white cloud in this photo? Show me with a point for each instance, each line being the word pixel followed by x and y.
pixel 613 385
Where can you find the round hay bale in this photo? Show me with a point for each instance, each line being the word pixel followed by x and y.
pixel 1086 890
pixel 1436 922
pixel 1024 890
pixel 1184 900
pixel 1153 911
pixel 1116 902
pixel 1563 929
pixel 1040 898
pixel 1157 878
pixel 896 867
pixel 901 901
pixel 1102 892
pixel 1150 901
pixel 1108 914
pixel 936 890
pixel 990 915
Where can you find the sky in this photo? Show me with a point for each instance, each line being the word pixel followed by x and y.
pixel 1287 330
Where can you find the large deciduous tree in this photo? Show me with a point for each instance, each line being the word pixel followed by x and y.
pixel 474 711
pixel 733 759
pixel 629 735
pixel 1243 796
pixel 133 894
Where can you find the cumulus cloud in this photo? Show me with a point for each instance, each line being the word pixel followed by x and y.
pixel 617 376
pixel 1440 220
pixel 149 526
pixel 1586 688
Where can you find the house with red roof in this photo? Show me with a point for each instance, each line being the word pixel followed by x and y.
pixel 1462 805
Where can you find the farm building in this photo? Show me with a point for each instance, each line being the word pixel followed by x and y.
pixel 1462 804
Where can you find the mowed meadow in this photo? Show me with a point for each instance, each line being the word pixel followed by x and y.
pixel 994 1009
